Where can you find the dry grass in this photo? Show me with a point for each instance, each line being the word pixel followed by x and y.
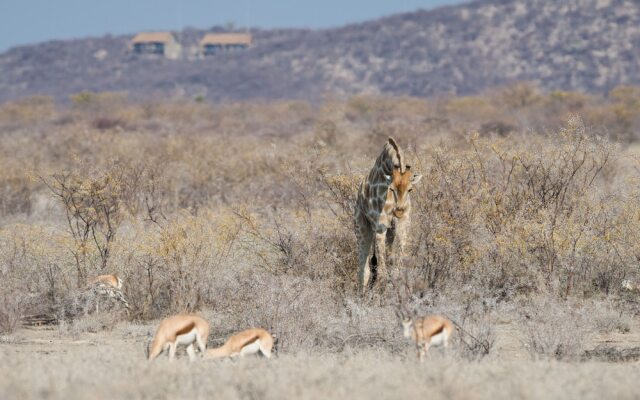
pixel 111 365
pixel 246 210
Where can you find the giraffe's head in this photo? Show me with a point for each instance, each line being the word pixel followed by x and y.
pixel 401 182
pixel 399 188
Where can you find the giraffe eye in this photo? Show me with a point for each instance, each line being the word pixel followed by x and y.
pixel 410 190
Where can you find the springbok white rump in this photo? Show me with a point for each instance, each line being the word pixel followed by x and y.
pixel 185 330
pixel 250 341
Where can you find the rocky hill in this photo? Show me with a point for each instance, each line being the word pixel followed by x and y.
pixel 588 45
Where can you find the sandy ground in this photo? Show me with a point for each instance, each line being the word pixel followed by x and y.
pixel 52 364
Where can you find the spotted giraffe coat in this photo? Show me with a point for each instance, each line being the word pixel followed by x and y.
pixel 382 213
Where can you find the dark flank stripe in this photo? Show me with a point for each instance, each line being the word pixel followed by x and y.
pixel 187 328
pixel 251 340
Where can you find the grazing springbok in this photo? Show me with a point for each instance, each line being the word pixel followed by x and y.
pixel 241 344
pixel 433 330
pixel 185 330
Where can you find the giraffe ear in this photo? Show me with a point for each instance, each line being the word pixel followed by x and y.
pixel 415 179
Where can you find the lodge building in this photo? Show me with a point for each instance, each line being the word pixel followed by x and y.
pixel 156 43
pixel 213 43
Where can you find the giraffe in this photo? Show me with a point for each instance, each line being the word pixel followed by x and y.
pixel 382 214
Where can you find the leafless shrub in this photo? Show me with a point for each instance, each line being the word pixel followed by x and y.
pixel 174 265
pixel 368 326
pixel 93 208
pixel 608 318
pixel 12 306
pixel 92 323
pixel 554 329
pixel 521 217
pixel 296 310
pixel 83 302
pixel 476 336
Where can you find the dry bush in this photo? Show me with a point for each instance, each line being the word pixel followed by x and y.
pixel 12 307
pixel 519 95
pixel 475 332
pixel 477 109
pixel 521 216
pixel 27 111
pixel 93 209
pixel 16 190
pixel 189 199
pixel 174 265
pixel 89 323
pixel 297 310
pixel 607 317
pixel 554 329
pixel 34 266
pixel 92 301
pixel 373 110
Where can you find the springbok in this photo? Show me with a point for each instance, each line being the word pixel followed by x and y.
pixel 184 329
pixel 630 285
pixel 433 330
pixel 112 280
pixel 109 286
pixel 250 341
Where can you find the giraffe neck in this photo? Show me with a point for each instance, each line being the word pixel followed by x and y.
pixel 375 189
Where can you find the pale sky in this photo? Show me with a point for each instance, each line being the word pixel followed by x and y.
pixel 32 21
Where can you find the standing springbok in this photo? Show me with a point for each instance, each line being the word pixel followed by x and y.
pixel 382 213
pixel 433 330
pixel 185 330
pixel 250 341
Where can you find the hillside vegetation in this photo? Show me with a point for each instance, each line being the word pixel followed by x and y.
pixel 579 45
